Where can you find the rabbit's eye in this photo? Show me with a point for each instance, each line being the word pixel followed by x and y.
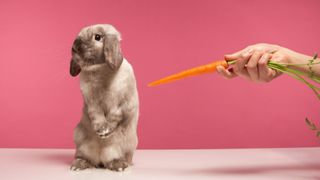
pixel 97 37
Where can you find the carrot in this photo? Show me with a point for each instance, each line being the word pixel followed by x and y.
pixel 212 67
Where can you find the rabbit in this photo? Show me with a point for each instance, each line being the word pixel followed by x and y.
pixel 106 136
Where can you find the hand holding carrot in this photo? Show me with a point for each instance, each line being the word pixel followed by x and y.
pixel 252 62
pixel 258 63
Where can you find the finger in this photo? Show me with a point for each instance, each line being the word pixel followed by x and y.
pixel 237 55
pixel 252 66
pixel 239 67
pixel 265 73
pixel 225 73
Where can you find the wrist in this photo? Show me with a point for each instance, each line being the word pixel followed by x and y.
pixel 293 57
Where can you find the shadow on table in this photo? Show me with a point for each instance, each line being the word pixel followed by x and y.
pixel 279 171
pixel 257 170
pixel 308 162
pixel 64 158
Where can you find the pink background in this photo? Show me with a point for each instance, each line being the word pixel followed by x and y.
pixel 40 103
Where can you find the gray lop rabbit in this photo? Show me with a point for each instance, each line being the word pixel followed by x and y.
pixel 106 135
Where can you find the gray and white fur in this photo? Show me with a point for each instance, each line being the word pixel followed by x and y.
pixel 106 135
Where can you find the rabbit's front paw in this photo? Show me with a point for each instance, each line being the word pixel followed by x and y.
pixel 103 132
pixel 103 129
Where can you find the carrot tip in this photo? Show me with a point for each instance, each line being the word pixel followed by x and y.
pixel 152 84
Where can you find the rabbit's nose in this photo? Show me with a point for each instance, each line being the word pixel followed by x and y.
pixel 77 45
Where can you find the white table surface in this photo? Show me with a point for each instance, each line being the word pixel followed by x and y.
pixel 260 164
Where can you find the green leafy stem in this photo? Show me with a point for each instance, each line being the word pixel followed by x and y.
pixel 313 127
pixel 308 78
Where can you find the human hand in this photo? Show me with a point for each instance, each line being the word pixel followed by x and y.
pixel 251 62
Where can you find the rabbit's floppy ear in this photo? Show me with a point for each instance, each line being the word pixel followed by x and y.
pixel 75 69
pixel 112 51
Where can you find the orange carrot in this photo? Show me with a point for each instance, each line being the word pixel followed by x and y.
pixel 212 67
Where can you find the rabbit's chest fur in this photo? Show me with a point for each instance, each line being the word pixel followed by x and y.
pixel 106 90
